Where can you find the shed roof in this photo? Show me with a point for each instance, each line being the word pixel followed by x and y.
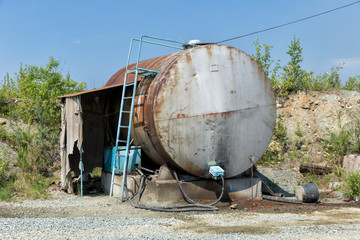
pixel 117 79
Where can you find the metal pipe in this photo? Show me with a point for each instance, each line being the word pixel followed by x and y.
pixel 162 39
pixel 81 161
pixel 160 44
pixel 282 199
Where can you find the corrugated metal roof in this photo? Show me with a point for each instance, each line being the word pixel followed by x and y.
pixel 117 79
pixel 91 91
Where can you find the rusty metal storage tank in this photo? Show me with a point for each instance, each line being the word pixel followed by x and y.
pixel 212 104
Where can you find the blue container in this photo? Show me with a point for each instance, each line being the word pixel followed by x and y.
pixel 110 154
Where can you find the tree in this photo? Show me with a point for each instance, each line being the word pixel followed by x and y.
pixel 37 89
pixel 263 57
pixel 293 77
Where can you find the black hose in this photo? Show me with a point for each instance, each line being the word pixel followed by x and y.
pixel 193 206
pixel 192 201
pixel 282 199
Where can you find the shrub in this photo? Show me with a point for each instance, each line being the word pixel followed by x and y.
pixel 352 184
pixel 4 167
pixel 33 93
pixel 346 141
pixel 353 83
pixel 292 78
pixel 277 146
pixel 38 88
pixel 7 190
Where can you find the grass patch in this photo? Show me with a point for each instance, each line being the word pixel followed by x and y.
pixel 96 172
pixel 7 190
pixel 32 186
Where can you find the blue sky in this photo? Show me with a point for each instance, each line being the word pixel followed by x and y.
pixel 91 38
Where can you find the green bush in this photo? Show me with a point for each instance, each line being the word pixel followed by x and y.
pixel 7 190
pixel 33 96
pixel 291 78
pixel 36 147
pixel 4 167
pixel 352 184
pixel 4 108
pixel 353 83
pixel 37 89
pixel 346 141
pixel 277 146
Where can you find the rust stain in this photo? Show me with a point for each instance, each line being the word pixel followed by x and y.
pixel 224 115
pixel 182 115
pixel 231 57
pixel 188 57
pixel 208 49
pixel 232 91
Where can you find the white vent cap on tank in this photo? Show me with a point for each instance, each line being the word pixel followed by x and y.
pixel 194 42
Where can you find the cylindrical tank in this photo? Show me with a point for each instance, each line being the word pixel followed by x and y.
pixel 208 105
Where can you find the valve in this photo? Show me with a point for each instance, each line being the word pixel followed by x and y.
pixel 216 171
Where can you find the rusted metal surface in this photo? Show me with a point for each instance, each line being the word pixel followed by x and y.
pixel 91 91
pixel 208 104
pixel 152 64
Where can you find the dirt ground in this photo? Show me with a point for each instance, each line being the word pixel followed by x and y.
pixel 104 206
pixel 237 219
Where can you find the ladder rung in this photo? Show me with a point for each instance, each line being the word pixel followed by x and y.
pixel 125 111
pixel 121 150
pixel 131 148
pixel 123 126
pixel 144 72
pixel 123 141
pixel 127 97
pixel 129 84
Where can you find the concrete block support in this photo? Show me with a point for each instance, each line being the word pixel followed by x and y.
pixel 167 192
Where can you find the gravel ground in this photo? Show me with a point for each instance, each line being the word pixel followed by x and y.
pixel 280 180
pixel 103 217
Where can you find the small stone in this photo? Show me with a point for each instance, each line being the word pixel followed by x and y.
pixel 233 206
pixel 334 185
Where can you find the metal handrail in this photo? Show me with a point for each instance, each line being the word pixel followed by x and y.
pixel 141 41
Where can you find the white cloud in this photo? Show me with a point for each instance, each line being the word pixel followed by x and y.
pixel 350 63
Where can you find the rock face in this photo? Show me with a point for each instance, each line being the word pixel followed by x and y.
pixel 313 115
pixel 351 163
pixel 9 155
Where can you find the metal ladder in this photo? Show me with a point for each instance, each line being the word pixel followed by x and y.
pixel 138 71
